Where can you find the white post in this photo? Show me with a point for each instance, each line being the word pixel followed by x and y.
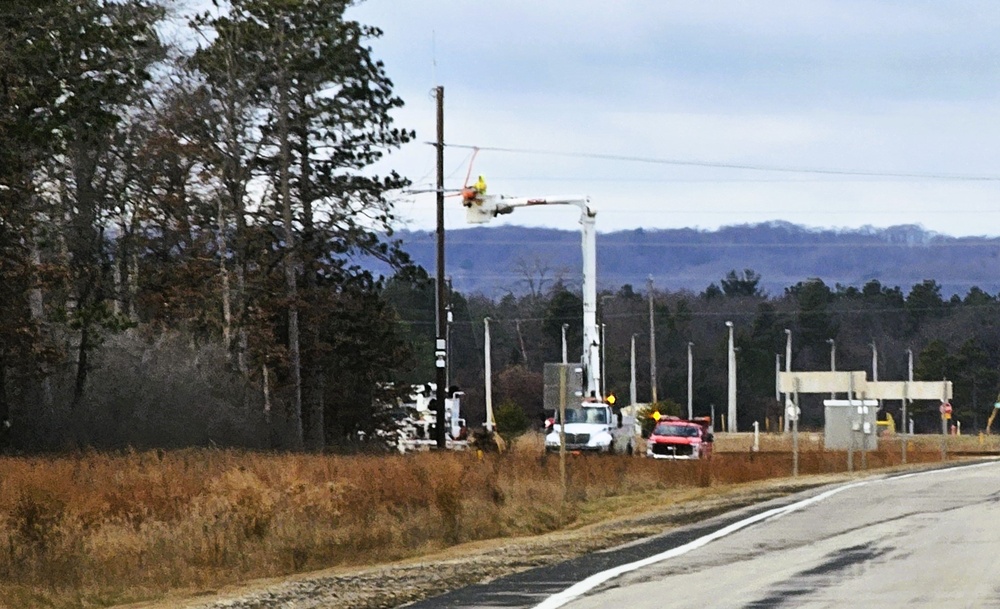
pixel 565 354
pixel 690 383
pixel 875 369
pixel 631 387
pixel 833 361
pixel 756 437
pixel 794 416
pixel 489 376
pixel 907 426
pixel 447 346
pixel 731 413
pixel 874 361
pixel 777 373
pixel 850 451
pixel 864 431
pixel 604 366
pixel 909 377
pixel 788 366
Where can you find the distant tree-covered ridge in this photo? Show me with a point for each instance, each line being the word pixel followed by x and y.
pixel 495 260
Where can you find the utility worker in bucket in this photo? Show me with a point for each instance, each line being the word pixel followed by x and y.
pixel 474 193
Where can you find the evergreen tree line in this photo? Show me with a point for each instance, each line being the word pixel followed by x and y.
pixel 955 338
pixel 181 226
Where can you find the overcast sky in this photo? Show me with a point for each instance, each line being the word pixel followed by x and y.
pixel 884 87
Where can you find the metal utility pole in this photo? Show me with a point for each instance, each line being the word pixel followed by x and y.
pixel 447 339
pixel 777 373
pixel 652 342
pixel 565 355
pixel 833 361
pixel 440 346
pixel 690 383
pixel 944 421
pixel 488 373
pixel 604 366
pixel 562 429
pixel 631 388
pixel 909 377
pixel 904 439
pixel 604 359
pixel 794 415
pixel 788 366
pixel 731 423
pixel 875 368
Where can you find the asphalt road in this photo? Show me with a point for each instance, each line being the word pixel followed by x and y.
pixel 917 540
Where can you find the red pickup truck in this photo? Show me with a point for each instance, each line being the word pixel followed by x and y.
pixel 676 438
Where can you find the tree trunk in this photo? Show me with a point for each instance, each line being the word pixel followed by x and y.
pixel 132 281
pixel 81 366
pixel 227 314
pixel 313 382
pixel 37 303
pixel 86 257
pixel 294 357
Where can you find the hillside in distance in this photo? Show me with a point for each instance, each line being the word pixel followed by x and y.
pixel 511 259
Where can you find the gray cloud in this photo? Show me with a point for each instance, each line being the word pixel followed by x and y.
pixel 905 86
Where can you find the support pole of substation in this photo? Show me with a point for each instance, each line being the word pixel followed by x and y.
pixel 850 450
pixel 488 373
pixel 440 343
pixel 652 343
pixel 788 368
pixel 690 382
pixel 562 432
pixel 731 410
pixel 944 421
pixel 632 397
pixel 906 400
pixel 794 416
pixel 864 432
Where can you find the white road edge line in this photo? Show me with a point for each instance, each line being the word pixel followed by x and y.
pixel 580 588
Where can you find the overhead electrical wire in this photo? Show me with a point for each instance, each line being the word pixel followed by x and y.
pixel 727 165
pixel 779 315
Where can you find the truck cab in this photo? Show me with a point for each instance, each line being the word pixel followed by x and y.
pixel 676 438
pixel 592 427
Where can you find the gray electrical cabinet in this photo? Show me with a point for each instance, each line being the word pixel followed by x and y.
pixel 850 424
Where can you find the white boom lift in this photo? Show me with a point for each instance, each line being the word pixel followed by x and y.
pixel 481 208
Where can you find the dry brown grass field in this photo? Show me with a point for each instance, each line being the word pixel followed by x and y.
pixel 96 530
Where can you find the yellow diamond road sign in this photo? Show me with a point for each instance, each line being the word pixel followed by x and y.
pixel 656 415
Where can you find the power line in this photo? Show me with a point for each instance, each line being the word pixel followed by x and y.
pixel 778 315
pixel 651 210
pixel 724 165
pixel 864 179
pixel 454 241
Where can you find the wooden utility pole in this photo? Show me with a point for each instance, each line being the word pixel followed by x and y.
pixel 440 346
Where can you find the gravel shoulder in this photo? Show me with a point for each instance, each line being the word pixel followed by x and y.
pixel 395 584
